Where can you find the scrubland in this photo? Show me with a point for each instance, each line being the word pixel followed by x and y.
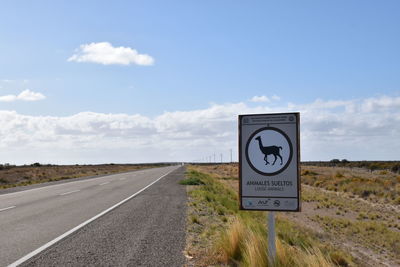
pixel 381 186
pixel 12 176
pixel 349 217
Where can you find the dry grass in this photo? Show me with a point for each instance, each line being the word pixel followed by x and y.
pixel 372 166
pixel 368 227
pixel 293 256
pixel 373 234
pixel 243 241
pixel 11 176
pixel 247 246
pixel 378 186
pixel 357 209
pixel 232 241
pixel 224 171
pixel 255 250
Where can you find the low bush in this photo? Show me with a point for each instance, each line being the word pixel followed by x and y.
pixel 371 233
pixel 191 181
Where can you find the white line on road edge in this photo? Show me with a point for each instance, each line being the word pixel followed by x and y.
pixel 70 192
pixel 72 182
pixel 104 183
pixel 55 240
pixel 8 208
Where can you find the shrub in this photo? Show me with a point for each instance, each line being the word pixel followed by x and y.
pixel 194 219
pixel 395 168
pixel 339 175
pixel 191 181
pixel 362 216
pixel 340 258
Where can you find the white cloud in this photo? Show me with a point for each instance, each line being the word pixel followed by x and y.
pixel 26 95
pixel 105 53
pixel 8 98
pixel 7 81
pixel 262 98
pixel 381 103
pixel 275 98
pixel 329 129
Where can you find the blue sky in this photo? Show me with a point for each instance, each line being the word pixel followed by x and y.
pixel 205 54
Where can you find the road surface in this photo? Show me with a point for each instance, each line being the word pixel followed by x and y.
pixel 130 234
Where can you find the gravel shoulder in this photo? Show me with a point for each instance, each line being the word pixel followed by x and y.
pixel 148 230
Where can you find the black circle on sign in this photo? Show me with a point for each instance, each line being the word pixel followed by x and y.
pixel 290 154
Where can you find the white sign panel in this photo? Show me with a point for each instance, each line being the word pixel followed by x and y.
pixel 269 162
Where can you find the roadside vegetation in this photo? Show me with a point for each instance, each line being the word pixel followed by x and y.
pixel 377 186
pixel 12 176
pixel 370 230
pixel 350 217
pixel 393 166
pixel 219 234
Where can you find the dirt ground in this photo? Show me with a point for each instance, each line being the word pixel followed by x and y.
pixel 364 250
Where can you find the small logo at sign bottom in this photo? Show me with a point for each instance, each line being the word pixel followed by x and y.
pixel 249 203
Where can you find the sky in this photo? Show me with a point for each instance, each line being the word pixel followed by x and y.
pixel 148 81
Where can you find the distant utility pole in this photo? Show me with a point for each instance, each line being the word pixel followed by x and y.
pixel 231 154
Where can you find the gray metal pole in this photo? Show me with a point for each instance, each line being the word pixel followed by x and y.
pixel 271 237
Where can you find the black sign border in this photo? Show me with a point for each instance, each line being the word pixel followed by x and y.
pixel 297 115
pixel 287 139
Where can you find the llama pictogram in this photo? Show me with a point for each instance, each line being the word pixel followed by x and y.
pixel 268 150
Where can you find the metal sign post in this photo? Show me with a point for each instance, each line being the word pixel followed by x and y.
pixel 269 169
pixel 271 237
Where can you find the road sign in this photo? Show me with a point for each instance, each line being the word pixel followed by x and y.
pixel 269 156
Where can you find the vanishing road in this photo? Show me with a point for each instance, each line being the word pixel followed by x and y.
pixel 129 219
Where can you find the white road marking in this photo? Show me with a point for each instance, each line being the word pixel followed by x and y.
pixel 104 183
pixel 52 242
pixel 8 208
pixel 61 184
pixel 70 192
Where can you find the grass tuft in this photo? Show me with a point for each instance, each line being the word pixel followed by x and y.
pixel 191 181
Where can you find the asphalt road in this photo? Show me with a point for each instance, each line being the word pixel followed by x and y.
pixel 146 230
